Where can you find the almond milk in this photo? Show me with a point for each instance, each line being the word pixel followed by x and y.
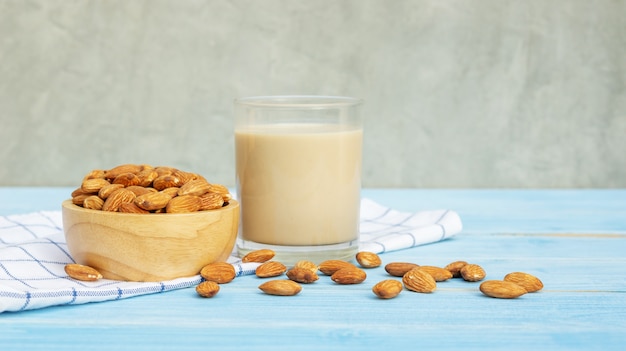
pixel 299 185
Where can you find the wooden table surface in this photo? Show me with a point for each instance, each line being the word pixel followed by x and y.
pixel 573 240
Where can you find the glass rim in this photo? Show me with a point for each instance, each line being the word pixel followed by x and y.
pixel 298 101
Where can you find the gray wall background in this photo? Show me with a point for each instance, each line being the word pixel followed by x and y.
pixel 483 93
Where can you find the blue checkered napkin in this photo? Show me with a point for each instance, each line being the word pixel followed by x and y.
pixel 33 254
pixel 384 229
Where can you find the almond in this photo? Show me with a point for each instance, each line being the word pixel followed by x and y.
pixel 398 269
pixel 207 289
pixel 77 191
pixel 226 197
pixel 525 280
pixel 126 179
pixel 281 287
pixel 302 275
pixel 107 190
pixel 152 201
pixel 140 190
pixel 455 268
pixel 438 273
pixel 306 264
pixel 419 280
pixel 387 289
pixel 195 187
pixel 82 272
pixel 92 186
pixel 80 199
pixel 171 191
pixel 184 177
pixel 219 272
pixel 183 204
pixel 349 275
pixel 368 259
pixel 329 267
pixel 473 272
pixel 262 255
pixel 93 202
pixel 270 269
pixel 130 207
pixel 166 181
pixel 96 173
pixel 119 196
pixel 147 176
pixel 501 289
pixel 218 188
pixel 164 170
pixel 125 168
pixel 211 201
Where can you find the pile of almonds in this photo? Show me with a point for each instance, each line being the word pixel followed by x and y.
pixel 134 188
pixel 414 277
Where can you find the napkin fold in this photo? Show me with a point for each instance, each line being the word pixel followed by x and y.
pixel 33 254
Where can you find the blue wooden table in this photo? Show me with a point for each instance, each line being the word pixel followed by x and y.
pixel 574 240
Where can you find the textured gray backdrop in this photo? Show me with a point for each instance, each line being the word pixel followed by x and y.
pixel 483 93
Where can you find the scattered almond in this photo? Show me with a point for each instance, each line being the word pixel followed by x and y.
pixel 419 280
pixel 270 269
pixel 387 289
pixel 528 281
pixel 473 272
pixel 82 272
pixel 455 268
pixel 302 275
pixel 438 273
pixel 398 269
pixel 501 289
pixel 262 255
pixel 219 272
pixel 368 259
pixel 349 275
pixel 329 267
pixel 207 289
pixel 306 264
pixel 281 287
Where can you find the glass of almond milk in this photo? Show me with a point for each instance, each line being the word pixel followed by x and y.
pixel 299 176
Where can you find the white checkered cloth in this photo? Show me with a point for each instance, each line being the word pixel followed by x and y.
pixel 33 254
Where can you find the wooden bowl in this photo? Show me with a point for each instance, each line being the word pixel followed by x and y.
pixel 149 247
